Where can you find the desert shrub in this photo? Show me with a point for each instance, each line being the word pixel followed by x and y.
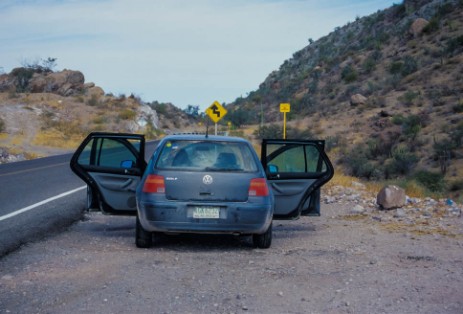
pixel 349 74
pixel 391 82
pixel 270 131
pixel 456 185
pixel 299 134
pixel 358 163
pixel 397 119
pixel 101 119
pixel 241 117
pixel 403 68
pixel 401 163
pixel 411 126
pixel 434 24
pixel 457 136
pixel 22 75
pixel 408 98
pixel 93 101
pixel 433 181
pixel 369 65
pixel 2 125
pixel 127 114
pixel 395 67
pixel 409 66
pixel 454 44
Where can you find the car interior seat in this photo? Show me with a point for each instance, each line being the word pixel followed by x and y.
pixel 181 160
pixel 226 161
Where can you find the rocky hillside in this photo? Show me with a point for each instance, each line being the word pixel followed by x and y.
pixel 44 112
pixel 386 91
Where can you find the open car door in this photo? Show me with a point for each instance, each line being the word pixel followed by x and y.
pixel 296 170
pixel 112 165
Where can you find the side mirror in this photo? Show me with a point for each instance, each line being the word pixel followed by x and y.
pixel 272 169
pixel 127 164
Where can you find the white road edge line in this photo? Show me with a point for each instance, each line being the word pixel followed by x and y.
pixel 25 209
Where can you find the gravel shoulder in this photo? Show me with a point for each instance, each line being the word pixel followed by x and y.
pixel 346 261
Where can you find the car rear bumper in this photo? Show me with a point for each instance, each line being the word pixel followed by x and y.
pixel 239 218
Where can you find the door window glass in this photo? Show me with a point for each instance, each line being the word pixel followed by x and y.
pixel 110 152
pixel 294 158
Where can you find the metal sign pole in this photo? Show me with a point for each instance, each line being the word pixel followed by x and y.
pixel 216 129
pixel 284 125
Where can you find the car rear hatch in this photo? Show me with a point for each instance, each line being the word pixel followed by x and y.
pixel 214 186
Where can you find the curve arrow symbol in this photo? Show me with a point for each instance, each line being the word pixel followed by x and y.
pixel 216 111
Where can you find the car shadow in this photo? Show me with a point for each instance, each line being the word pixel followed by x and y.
pixel 124 227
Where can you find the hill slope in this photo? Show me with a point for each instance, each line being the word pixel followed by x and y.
pixel 386 91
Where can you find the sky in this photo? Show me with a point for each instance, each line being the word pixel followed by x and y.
pixel 186 52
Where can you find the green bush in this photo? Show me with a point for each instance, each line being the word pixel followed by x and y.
pixel 402 162
pixel 2 125
pixel 127 114
pixel 358 162
pixel 409 98
pixel 270 131
pixel 22 75
pixel 456 185
pixel 93 101
pixel 454 44
pixel 349 74
pixel 458 108
pixel 434 182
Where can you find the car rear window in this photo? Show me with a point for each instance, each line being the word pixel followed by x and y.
pixel 206 156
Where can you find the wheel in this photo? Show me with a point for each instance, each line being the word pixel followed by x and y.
pixel 143 238
pixel 264 240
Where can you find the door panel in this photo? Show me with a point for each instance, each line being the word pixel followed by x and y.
pixel 296 169
pixel 118 191
pixel 112 165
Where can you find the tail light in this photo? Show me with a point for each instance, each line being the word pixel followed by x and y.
pixel 258 187
pixel 154 184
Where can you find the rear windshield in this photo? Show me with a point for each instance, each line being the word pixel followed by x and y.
pixel 207 156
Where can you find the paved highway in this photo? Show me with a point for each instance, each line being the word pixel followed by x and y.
pixel 38 197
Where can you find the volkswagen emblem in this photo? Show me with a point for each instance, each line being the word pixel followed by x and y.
pixel 207 179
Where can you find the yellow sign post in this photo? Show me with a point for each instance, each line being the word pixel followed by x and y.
pixel 284 107
pixel 216 112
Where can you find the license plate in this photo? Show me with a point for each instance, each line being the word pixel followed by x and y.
pixel 206 212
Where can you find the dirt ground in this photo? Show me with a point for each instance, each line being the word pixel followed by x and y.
pixel 348 260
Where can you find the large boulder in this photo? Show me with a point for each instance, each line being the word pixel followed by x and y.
pixel 65 83
pixel 418 26
pixel 358 99
pixel 7 83
pixel 391 196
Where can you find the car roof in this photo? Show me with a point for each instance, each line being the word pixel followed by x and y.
pixel 203 137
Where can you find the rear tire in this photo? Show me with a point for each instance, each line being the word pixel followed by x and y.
pixel 143 238
pixel 264 240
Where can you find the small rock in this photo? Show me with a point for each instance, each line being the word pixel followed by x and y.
pixel 357 209
pixel 400 213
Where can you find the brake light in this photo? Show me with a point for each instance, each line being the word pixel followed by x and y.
pixel 258 187
pixel 154 184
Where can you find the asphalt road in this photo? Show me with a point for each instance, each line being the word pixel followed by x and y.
pixel 39 197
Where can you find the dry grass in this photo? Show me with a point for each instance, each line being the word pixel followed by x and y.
pixel 58 140
pixel 419 228
pixel 17 139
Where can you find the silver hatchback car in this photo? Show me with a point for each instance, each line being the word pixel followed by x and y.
pixel 202 184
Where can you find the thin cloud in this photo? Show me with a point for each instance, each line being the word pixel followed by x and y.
pixel 179 51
